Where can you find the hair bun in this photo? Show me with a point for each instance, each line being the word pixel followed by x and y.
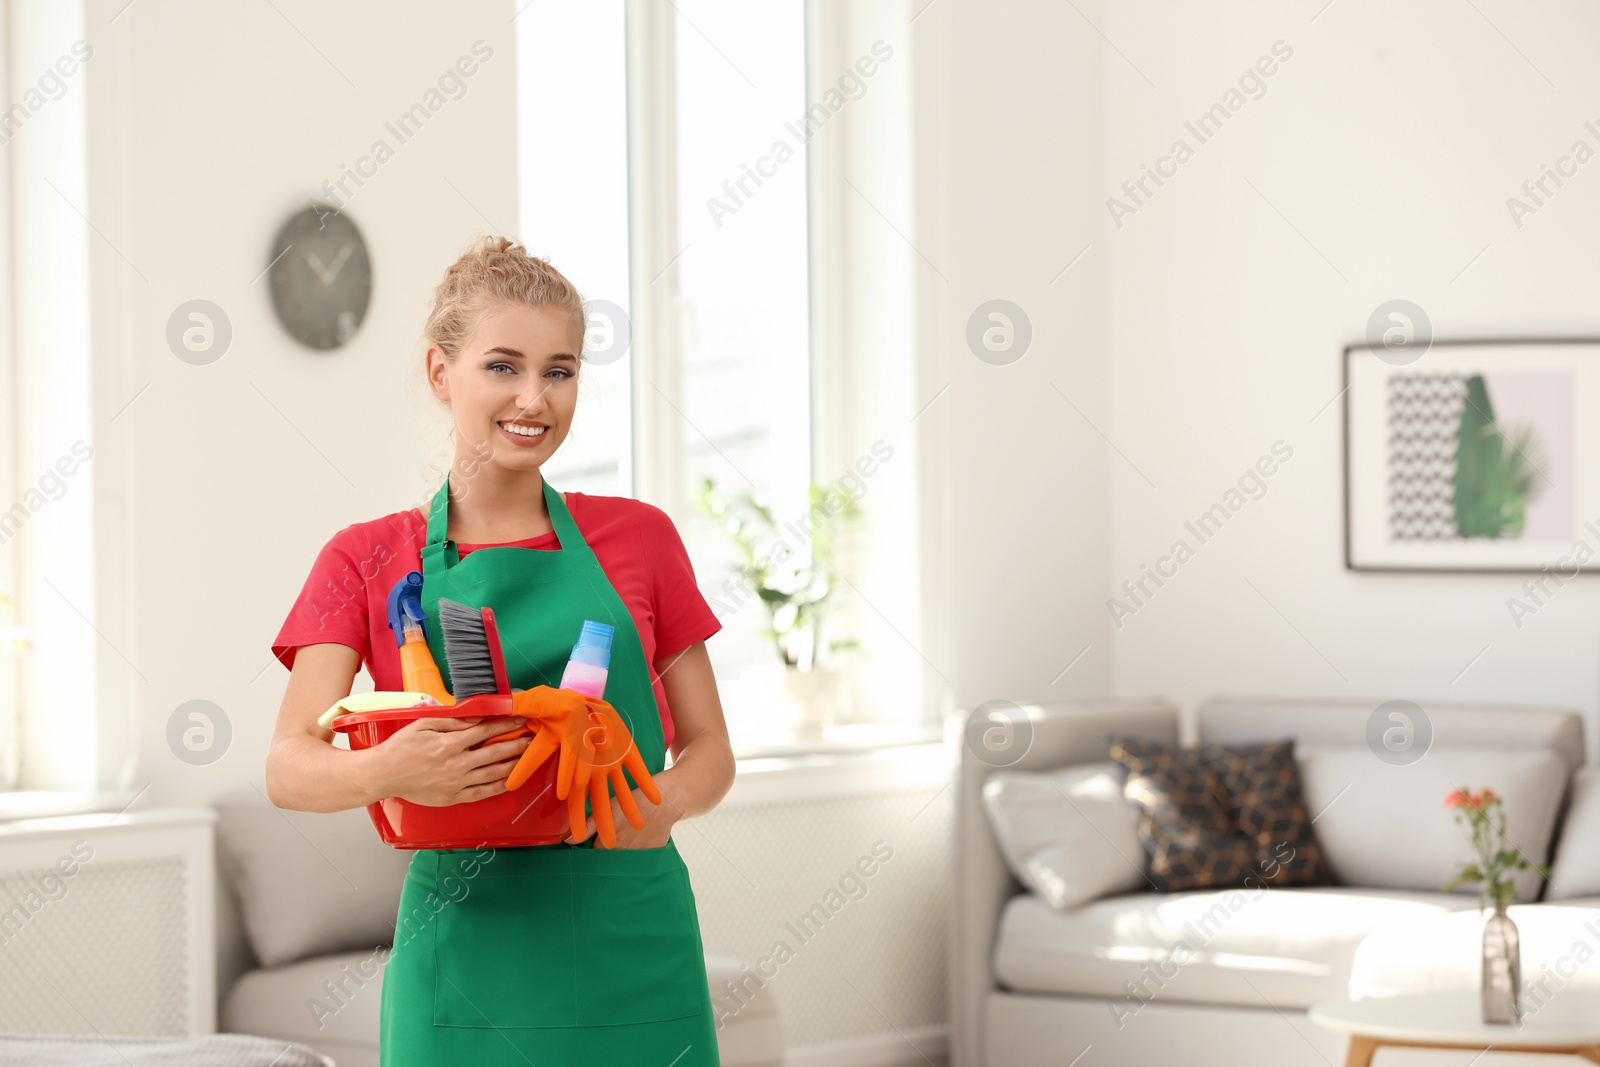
pixel 496 272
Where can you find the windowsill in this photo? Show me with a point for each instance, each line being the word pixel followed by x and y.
pixel 842 740
pixel 38 803
pixel 842 764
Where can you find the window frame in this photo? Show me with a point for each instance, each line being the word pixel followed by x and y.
pixel 843 267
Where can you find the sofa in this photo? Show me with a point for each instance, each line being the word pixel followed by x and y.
pixel 1225 976
pixel 315 898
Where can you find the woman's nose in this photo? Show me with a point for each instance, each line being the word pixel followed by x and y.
pixel 531 400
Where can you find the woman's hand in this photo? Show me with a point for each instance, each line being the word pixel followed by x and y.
pixel 433 761
pixel 658 820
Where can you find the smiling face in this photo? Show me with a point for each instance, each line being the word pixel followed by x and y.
pixel 513 387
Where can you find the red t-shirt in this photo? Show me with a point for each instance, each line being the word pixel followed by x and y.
pixel 345 599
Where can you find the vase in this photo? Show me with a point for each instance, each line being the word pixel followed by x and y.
pixel 1502 969
pixel 815 693
pixel 796 705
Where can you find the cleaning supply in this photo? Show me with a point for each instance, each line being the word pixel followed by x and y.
pixel 590 661
pixel 472 649
pixel 593 742
pixel 418 672
pixel 423 684
pixel 585 673
pixel 472 652
pixel 379 701
pixel 573 720
pixel 595 747
pixel 607 749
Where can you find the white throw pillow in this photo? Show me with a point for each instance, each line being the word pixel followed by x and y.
pixel 308 883
pixel 1068 834
pixel 1576 870
pixel 1386 826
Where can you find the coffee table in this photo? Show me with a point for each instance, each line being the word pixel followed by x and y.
pixel 1569 1023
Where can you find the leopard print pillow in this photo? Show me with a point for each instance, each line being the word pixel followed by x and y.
pixel 1221 815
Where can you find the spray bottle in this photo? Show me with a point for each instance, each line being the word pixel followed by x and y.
pixel 591 660
pixel 418 671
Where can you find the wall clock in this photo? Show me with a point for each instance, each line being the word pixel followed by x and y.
pixel 321 278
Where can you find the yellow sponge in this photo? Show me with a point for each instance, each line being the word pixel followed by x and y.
pixel 375 701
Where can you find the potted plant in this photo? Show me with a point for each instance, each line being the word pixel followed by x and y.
pixel 1482 816
pixel 795 584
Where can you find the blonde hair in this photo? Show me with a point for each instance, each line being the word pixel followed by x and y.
pixel 496 272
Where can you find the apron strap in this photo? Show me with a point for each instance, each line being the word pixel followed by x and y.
pixel 434 552
pixel 433 560
pixel 561 519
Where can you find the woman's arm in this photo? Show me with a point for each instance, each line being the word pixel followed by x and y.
pixel 427 761
pixel 305 772
pixel 702 758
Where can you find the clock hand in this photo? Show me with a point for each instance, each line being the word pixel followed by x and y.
pixel 338 261
pixel 315 263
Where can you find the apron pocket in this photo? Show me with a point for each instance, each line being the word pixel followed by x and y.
pixel 638 943
pixel 504 945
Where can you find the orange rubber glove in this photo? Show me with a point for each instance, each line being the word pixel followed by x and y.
pixel 604 748
pixel 594 746
pixel 549 711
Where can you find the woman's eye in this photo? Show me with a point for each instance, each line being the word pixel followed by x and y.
pixel 507 366
pixel 562 371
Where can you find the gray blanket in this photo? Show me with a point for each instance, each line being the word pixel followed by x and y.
pixel 120 1050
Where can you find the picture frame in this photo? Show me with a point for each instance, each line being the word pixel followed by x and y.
pixel 1473 456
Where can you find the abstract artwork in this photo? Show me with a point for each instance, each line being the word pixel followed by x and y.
pixel 1467 457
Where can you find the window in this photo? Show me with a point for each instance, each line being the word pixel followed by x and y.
pixel 677 179
pixel 573 169
pixel 49 696
pixel 743 292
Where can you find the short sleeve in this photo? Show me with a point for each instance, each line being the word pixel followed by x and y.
pixel 682 616
pixel 332 605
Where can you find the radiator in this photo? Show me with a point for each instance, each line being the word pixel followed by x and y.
pixel 860 974
pixel 106 924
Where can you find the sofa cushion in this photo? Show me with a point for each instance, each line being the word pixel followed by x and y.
pixel 1349 724
pixel 1575 871
pixel 308 883
pixel 332 1003
pixel 1382 824
pixel 1220 815
pixel 1560 953
pixel 1230 946
pixel 1068 835
pixel 749 1021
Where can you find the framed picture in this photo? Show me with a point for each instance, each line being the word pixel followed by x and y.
pixel 1473 456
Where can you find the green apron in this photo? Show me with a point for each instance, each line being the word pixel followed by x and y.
pixel 552 955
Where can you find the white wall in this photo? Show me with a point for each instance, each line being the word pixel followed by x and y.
pixel 1390 141
pixel 218 484
pixel 1009 162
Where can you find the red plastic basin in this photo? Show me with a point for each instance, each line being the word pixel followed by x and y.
pixel 530 815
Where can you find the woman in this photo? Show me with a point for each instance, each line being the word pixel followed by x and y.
pixel 554 954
